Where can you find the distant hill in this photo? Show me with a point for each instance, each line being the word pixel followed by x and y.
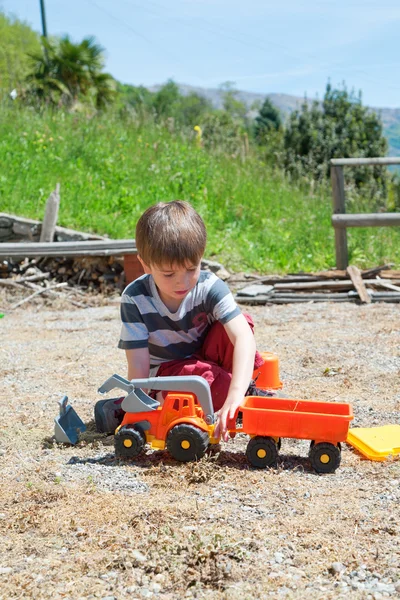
pixel 287 104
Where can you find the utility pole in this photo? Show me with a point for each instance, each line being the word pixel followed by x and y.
pixel 44 28
pixel 42 11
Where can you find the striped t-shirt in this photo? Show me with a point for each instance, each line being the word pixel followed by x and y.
pixel 147 322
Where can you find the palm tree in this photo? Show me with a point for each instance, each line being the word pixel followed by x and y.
pixel 66 72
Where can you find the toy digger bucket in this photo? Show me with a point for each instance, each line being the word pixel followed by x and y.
pixel 67 426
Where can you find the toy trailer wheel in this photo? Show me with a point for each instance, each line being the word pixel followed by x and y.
pixel 262 452
pixel 129 442
pixel 324 457
pixel 186 442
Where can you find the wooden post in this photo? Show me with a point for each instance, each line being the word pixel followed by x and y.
pixel 339 207
pixel 50 216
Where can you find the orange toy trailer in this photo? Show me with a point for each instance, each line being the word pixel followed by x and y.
pixel 267 420
pixel 184 424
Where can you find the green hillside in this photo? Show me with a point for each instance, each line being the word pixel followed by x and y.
pixel 110 170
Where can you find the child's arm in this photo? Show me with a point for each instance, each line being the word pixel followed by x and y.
pixel 244 344
pixel 138 363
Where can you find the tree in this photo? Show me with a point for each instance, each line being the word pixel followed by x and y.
pixel 231 104
pixel 339 127
pixel 268 120
pixel 222 133
pixel 17 40
pixel 70 72
pixel 192 109
pixel 166 100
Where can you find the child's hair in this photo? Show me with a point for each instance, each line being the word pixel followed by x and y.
pixel 171 233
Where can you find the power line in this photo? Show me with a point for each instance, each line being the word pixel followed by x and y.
pixel 131 29
pixel 255 42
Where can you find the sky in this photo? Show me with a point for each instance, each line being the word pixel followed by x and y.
pixel 266 46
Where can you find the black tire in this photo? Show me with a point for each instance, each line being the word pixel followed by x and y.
pixel 324 457
pixel 129 442
pixel 186 442
pixel 262 452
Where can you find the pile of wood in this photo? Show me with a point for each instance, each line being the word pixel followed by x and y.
pixel 31 282
pixel 66 275
pixel 380 284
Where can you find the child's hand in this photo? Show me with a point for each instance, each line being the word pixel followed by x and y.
pixel 225 416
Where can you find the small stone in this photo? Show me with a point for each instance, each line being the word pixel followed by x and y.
pixel 384 587
pixel 138 556
pixel 155 587
pixel 278 557
pixel 337 567
pixel 108 598
pixel 5 570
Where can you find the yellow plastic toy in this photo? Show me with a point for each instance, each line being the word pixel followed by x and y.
pixel 376 443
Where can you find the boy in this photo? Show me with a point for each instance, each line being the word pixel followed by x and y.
pixel 179 320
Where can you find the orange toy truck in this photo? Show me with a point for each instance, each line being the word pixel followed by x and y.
pixel 184 423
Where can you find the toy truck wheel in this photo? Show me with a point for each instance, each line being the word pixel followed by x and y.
pixel 262 452
pixel 324 457
pixel 129 442
pixel 186 442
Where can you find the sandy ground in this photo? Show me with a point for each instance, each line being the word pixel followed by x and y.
pixel 77 523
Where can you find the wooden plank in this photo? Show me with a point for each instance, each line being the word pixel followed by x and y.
pixel 255 290
pixel 315 285
pixel 355 276
pixel 391 297
pixel 283 299
pixel 365 220
pixel 388 285
pixel 357 162
pixel 339 207
pixel 375 270
pixel 66 249
pixel 50 216
pixel 390 274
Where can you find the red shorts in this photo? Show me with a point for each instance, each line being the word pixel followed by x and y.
pixel 213 362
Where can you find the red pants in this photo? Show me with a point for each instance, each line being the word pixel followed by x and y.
pixel 213 362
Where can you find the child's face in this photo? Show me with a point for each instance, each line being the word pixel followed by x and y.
pixel 174 282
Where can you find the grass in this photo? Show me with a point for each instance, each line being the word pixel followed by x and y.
pixel 110 170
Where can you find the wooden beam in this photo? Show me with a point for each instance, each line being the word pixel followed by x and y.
pixel 357 162
pixel 66 249
pixel 339 207
pixel 365 220
pixel 50 216
pixel 322 285
pixel 359 284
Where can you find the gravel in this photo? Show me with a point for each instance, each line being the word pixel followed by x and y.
pixel 78 523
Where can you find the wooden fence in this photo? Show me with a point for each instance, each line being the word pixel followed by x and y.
pixel 341 220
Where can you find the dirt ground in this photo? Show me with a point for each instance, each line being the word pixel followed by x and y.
pixel 77 523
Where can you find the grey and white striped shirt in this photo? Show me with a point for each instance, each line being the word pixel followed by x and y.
pixel 147 322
